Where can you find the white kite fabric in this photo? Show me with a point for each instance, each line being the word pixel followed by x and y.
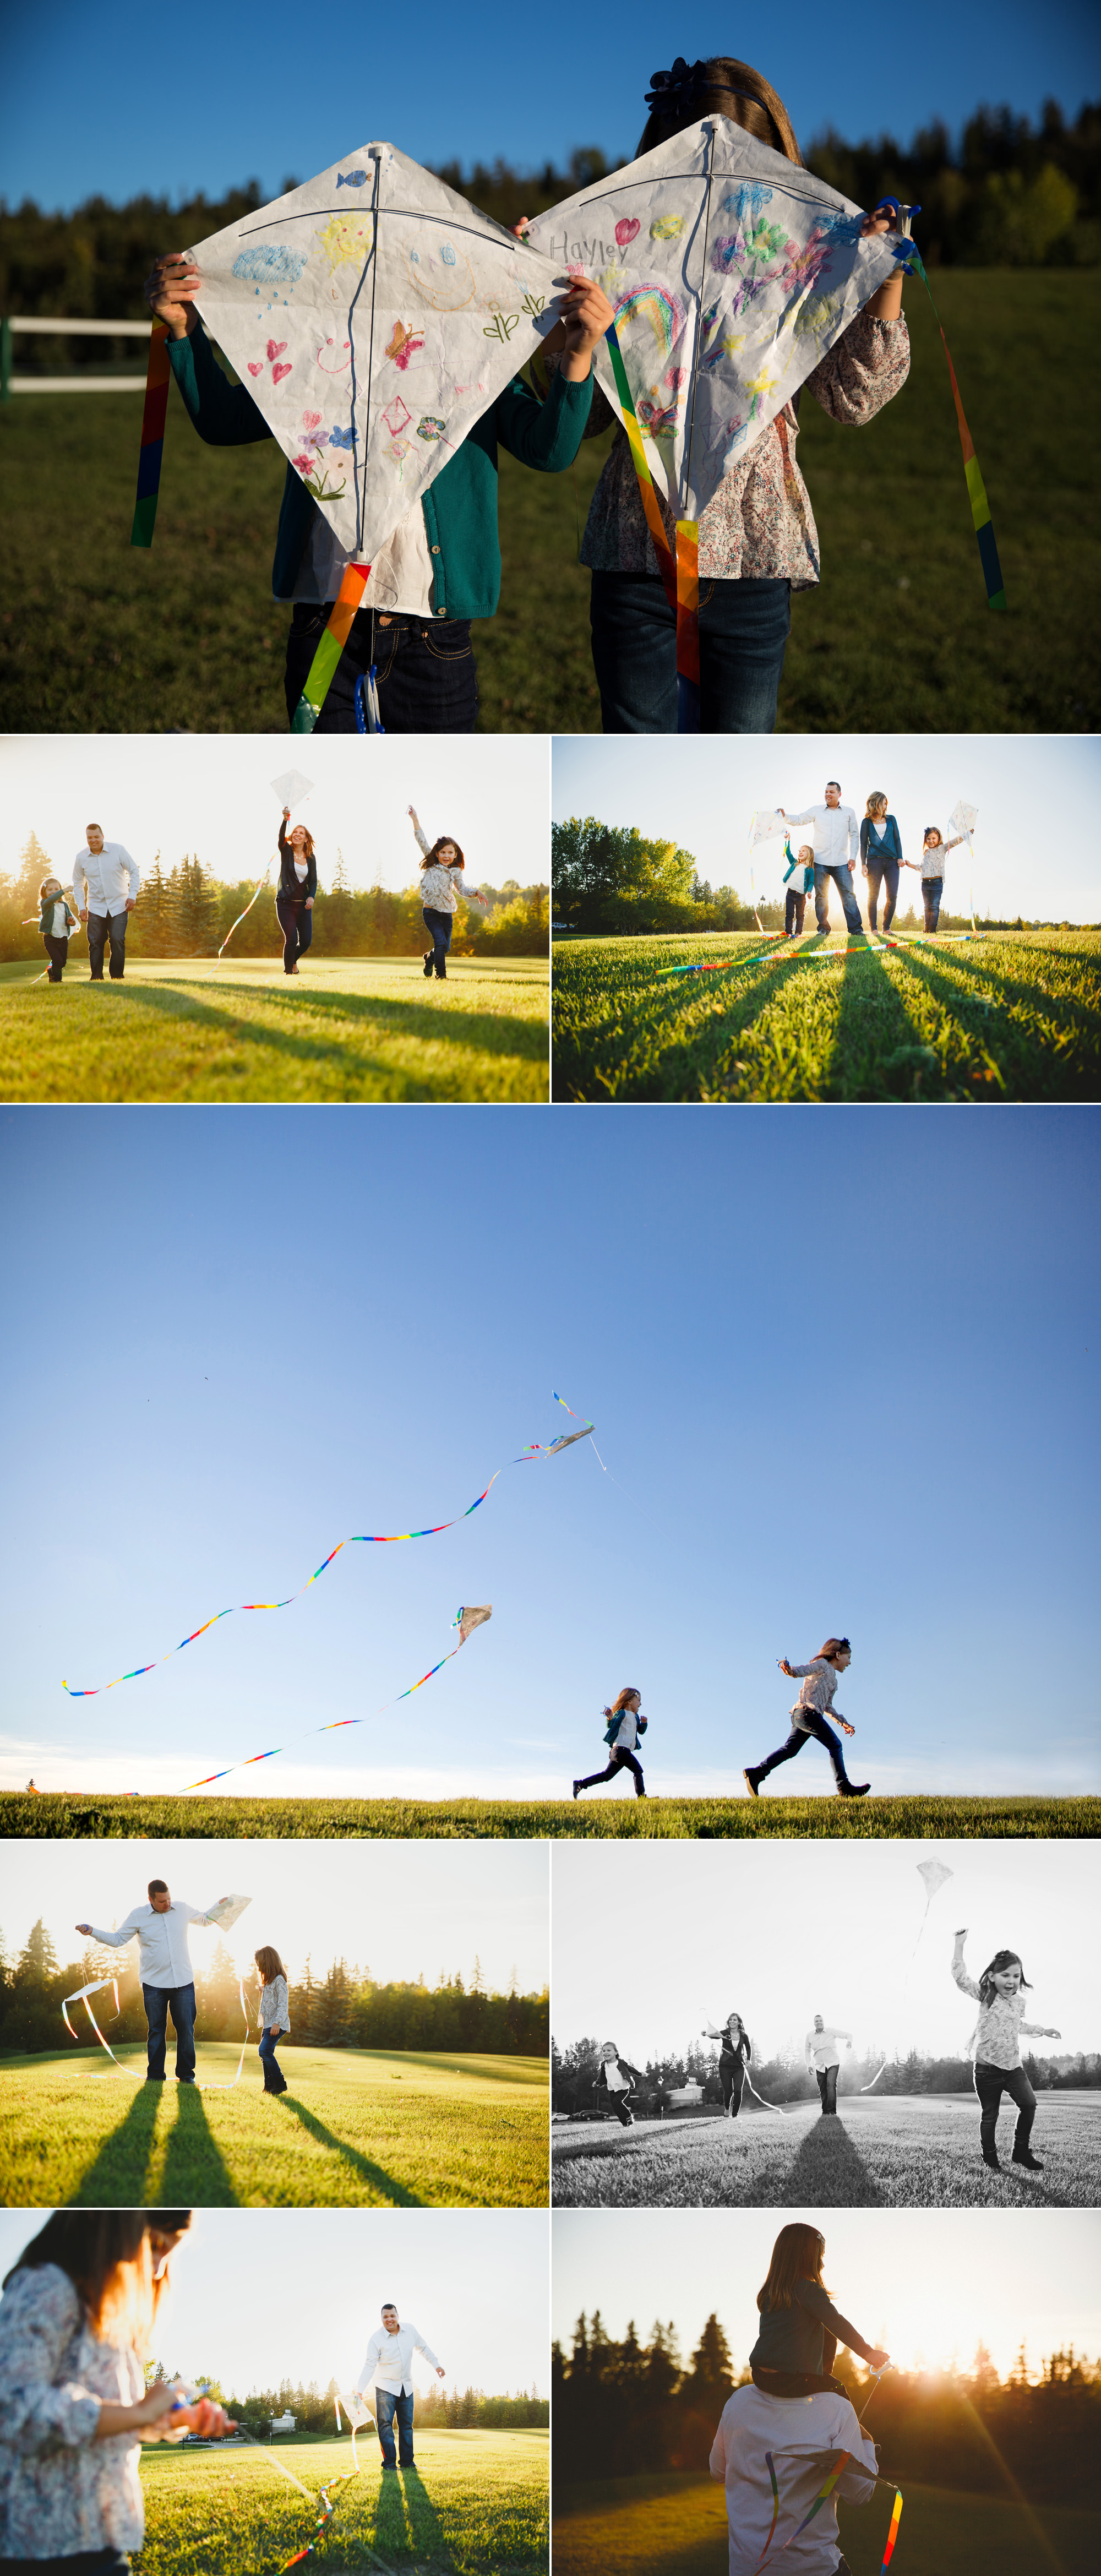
pixel 933 1875
pixel 292 787
pixel 374 316
pixel 963 818
pixel 766 827
pixel 731 272
pixel 227 1911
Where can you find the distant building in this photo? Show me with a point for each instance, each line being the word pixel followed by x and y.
pixel 283 2424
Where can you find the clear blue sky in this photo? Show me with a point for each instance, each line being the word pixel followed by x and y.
pixel 840 1367
pixel 267 95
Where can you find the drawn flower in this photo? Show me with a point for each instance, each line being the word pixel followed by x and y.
pixel 342 437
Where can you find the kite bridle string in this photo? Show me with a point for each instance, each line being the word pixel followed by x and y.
pixel 373 264
pixel 687 477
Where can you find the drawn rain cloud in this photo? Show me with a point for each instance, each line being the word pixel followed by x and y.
pixel 369 363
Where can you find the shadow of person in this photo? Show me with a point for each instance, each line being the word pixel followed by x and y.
pixel 195 2171
pixel 384 2186
pixel 827 2173
pixel 426 2531
pixel 116 2179
pixel 391 2525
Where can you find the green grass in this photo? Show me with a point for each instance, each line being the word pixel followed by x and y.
pixel 1016 1016
pixel 349 1028
pixel 898 2152
pixel 107 638
pixel 61 1816
pixel 474 2505
pixel 675 2525
pixel 356 2129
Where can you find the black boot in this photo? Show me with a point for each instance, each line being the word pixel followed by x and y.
pixel 991 2158
pixel 752 1781
pixel 1024 2156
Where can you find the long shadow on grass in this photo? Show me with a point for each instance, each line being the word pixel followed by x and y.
pixel 691 1047
pixel 117 2178
pixel 376 2175
pixel 827 2173
pixel 194 2168
pixel 498 1034
pixel 877 1051
pixel 1014 1049
pixel 426 2532
pixel 1074 1007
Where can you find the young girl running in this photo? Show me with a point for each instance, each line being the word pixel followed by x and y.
pixel 274 2016
pixel 294 894
pixel 819 1679
pixel 615 2082
pixel 625 1725
pixel 996 2041
pixel 734 2057
pixel 934 852
pixel 441 873
pixel 56 922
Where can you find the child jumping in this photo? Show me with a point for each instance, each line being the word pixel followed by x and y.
pixel 819 1679
pixel 996 2041
pixel 441 873
pixel 56 922
pixel 734 2056
pixel 274 2015
pixel 624 1727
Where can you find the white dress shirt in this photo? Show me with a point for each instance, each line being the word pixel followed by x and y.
pixel 389 2362
pixel 113 878
pixel 836 833
pixel 799 2434
pixel 821 2049
pixel 163 1957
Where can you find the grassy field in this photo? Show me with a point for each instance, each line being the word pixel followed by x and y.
pixel 184 636
pixel 356 2129
pixel 350 1028
pixel 474 2505
pixel 675 2525
pixel 80 1816
pixel 899 2152
pixel 1012 1017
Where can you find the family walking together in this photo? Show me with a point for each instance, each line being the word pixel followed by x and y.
pixel 838 842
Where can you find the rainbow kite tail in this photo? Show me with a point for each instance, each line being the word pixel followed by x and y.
pixel 152 437
pixel 688 626
pixel 892 2535
pixel 331 647
pixel 976 488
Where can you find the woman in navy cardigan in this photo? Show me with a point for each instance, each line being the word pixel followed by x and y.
pixel 295 892
pixel 880 857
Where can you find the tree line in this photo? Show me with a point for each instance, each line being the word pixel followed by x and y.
pixel 621 2409
pixel 186 911
pixel 340 2008
pixel 314 2411
pixel 789 2079
pixel 1009 194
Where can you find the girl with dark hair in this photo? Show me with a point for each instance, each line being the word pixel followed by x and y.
pixel 880 857
pixel 734 2055
pixel 275 2016
pixel 76 2326
pixel 819 1679
pixel 996 2046
pixel 934 852
pixel 442 869
pixel 294 894
pixel 624 1727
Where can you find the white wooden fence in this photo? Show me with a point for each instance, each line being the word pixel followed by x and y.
pixel 60 325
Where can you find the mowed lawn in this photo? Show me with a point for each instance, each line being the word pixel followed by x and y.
pixel 355 2129
pixel 347 1028
pixel 475 2504
pixel 83 1816
pixel 675 2525
pixel 915 2152
pixel 1012 1016
pixel 184 636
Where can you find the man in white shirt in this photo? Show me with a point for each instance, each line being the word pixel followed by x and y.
pixel 389 2364
pixel 836 848
pixel 821 2050
pixel 167 1976
pixel 113 878
pixel 802 2436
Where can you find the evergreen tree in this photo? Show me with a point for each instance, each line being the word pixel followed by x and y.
pixel 38 1957
pixel 157 919
pixel 199 904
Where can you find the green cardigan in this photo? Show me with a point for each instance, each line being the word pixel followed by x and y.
pixel 460 507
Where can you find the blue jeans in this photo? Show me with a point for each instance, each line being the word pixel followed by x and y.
pixel 438 926
pixel 388 2405
pixel 932 889
pixel 744 627
pixel 274 2079
pixel 427 681
pixel 296 924
pixel 182 2000
pixel 104 926
pixel 814 1725
pixel 882 872
pixel 844 884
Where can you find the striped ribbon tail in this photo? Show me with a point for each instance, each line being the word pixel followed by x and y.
pixel 243 916
pixel 892 2535
pixel 333 641
pixel 681 575
pixel 976 488
pixel 152 437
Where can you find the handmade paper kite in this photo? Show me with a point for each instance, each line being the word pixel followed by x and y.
pixel 471 1619
pixel 290 789
pixel 227 1912
pixel 963 818
pixel 933 1875
pixel 764 827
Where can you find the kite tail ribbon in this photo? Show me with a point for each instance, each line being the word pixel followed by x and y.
pixel 152 437
pixel 680 576
pixel 333 641
pixel 243 916
pixel 81 1997
pixel 976 488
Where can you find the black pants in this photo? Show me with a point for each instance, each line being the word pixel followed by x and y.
pixel 827 2089
pixel 81 2562
pixel 795 906
pixel 104 926
pixel 811 1724
pixel 620 1760
pixel 296 924
pixel 799 2383
pixel 620 2103
pixel 932 889
pixel 427 682
pixel 990 2083
pixel 438 926
pixel 732 2079
pixel 882 872
pixel 58 952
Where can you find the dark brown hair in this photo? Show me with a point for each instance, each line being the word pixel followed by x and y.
pixel 156 1887
pixel 1001 1959
pixel 732 89
pixel 447 841
pixel 270 1965
pixel 833 1646
pixel 94 2245
pixel 798 2255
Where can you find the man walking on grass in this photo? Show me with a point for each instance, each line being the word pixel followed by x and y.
pixel 836 848
pixel 167 1976
pixel 113 878
pixel 821 2050
pixel 389 2364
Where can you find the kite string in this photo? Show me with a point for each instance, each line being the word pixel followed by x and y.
pixel 333 1728
pixel 135 2078
pixel 243 916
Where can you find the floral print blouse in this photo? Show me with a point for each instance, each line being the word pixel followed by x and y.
pixel 996 2038
pixel 440 887
pixel 61 2491
pixel 759 525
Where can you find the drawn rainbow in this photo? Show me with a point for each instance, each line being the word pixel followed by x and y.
pixel 655 305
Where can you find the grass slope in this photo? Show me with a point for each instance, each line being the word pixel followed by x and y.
pixel 346 1028
pixel 355 2129
pixel 675 2525
pixel 1011 1017
pixel 80 1816
pixel 184 636
pixel 901 2152
pixel 474 2505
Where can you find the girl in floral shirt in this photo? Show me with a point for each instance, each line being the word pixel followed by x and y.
pixel 996 2041
pixel 441 885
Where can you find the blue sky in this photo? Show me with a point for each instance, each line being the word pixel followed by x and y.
pixel 840 1367
pixel 1034 851
pixel 275 95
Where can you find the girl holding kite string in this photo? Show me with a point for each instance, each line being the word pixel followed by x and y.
pixel 996 2042
pixel 735 2053
pixel 294 894
pixel 624 1727
pixel 934 852
pixel 441 874
pixel 819 1679
pixel 275 2016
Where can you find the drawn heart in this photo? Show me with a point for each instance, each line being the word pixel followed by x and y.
pixel 625 232
pixel 311 419
pixel 278 373
pixel 276 347
pixel 256 370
